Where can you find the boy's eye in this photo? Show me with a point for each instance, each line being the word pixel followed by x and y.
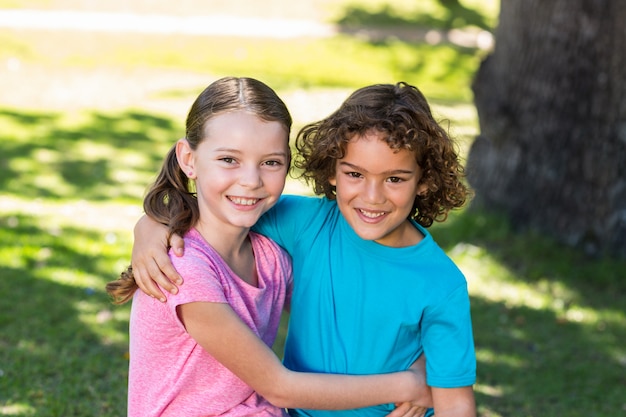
pixel 353 174
pixel 394 179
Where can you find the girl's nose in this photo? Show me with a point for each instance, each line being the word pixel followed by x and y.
pixel 251 177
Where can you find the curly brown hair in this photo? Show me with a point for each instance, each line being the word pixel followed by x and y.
pixel 403 115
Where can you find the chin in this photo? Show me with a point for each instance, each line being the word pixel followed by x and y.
pixel 368 236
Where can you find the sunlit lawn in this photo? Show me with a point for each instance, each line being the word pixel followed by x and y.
pixel 549 324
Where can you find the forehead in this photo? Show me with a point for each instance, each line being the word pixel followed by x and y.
pixel 243 128
pixel 370 151
pixel 237 120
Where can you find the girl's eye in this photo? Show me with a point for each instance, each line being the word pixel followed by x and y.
pixel 228 160
pixel 274 163
pixel 394 179
pixel 353 174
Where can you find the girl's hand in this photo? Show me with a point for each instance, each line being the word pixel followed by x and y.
pixel 150 261
pixel 408 409
pixel 423 396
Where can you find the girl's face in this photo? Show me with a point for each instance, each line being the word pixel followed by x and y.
pixel 375 190
pixel 239 168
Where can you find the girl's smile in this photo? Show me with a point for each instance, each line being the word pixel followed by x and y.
pixel 239 170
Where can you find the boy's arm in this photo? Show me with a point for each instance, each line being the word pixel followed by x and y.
pixel 218 329
pixel 454 402
pixel 150 261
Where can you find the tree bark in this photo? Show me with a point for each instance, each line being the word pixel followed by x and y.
pixel 551 102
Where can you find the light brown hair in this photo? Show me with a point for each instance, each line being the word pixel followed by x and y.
pixel 171 200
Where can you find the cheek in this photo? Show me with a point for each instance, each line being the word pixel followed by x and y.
pixel 345 193
pixel 276 181
pixel 410 201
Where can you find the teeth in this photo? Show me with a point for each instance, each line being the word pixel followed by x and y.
pixel 244 201
pixel 370 214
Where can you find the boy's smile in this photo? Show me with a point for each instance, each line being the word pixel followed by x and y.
pixel 375 190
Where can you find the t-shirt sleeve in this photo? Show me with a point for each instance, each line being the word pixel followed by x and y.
pixel 201 281
pixel 284 222
pixel 448 342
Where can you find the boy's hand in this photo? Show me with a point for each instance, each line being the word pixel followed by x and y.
pixel 150 261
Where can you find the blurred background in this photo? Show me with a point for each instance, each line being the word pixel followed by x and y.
pixel 93 94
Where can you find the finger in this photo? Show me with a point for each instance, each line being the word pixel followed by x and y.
pixel 165 268
pixel 420 411
pixel 177 244
pixel 400 410
pixel 412 410
pixel 145 284
pixel 156 274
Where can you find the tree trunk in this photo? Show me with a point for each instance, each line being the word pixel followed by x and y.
pixel 551 102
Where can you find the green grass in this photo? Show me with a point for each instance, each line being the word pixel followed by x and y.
pixel 442 71
pixel 63 347
pixel 549 323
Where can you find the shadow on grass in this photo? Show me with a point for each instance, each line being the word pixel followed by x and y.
pixel 52 361
pixel 420 46
pixel 387 21
pixel 566 358
pixel 455 15
pixel 93 156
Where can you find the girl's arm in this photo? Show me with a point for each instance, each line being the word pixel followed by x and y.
pixel 218 329
pixel 151 265
pixel 150 261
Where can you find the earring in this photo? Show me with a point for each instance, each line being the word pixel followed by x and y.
pixel 190 174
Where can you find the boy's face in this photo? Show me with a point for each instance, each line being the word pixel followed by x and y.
pixel 375 190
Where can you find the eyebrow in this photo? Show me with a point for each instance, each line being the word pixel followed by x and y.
pixel 238 151
pixel 390 172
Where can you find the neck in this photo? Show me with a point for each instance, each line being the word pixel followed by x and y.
pixel 234 247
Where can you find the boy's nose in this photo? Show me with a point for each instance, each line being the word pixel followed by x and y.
pixel 373 193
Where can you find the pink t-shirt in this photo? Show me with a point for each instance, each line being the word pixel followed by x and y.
pixel 169 373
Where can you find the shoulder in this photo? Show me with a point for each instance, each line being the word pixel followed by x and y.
pixel 435 252
pixel 205 274
pixel 307 208
pixel 270 254
pixel 302 204
pixel 198 254
pixel 293 214
pixel 437 262
pixel 265 244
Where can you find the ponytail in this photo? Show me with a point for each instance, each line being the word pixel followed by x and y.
pixel 169 201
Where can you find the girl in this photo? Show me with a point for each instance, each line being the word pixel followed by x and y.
pixel 207 350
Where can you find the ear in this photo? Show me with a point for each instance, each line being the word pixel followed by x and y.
pixel 333 180
pixel 422 189
pixel 185 157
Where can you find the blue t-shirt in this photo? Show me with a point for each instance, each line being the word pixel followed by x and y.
pixel 359 307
